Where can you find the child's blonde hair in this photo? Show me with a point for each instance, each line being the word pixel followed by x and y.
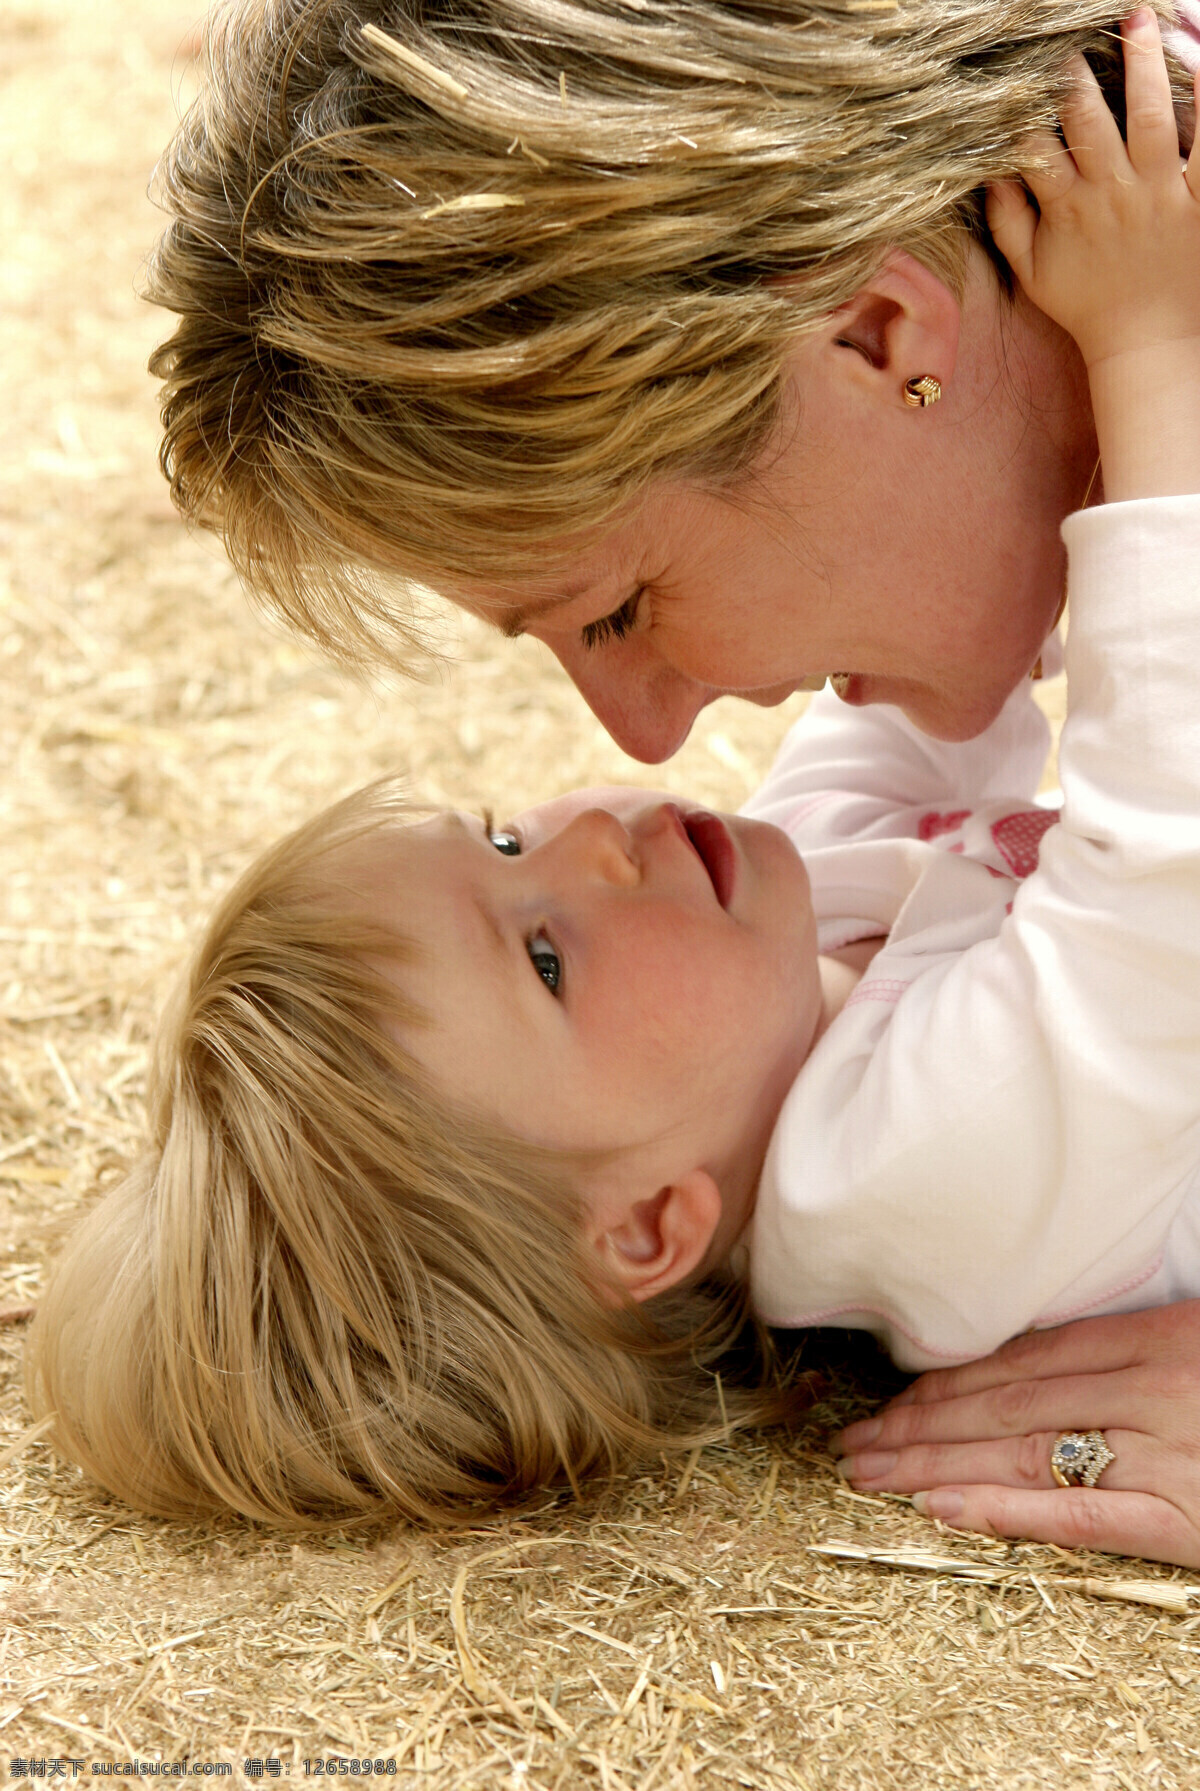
pixel 455 282
pixel 325 1292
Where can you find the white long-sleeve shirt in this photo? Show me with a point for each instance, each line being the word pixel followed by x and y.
pixel 1002 1127
pixel 1184 37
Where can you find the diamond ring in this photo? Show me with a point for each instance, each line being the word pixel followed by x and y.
pixel 1078 1458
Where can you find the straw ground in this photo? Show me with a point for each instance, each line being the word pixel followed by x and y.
pixel 678 1631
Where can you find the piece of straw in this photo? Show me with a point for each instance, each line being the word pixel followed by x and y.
pixel 409 59
pixel 1165 1595
pixel 473 202
pixel 19 1444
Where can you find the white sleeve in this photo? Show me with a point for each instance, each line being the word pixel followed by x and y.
pixel 844 773
pixel 1005 1136
pixel 1184 36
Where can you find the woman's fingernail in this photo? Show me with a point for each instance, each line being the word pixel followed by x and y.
pixel 945 1505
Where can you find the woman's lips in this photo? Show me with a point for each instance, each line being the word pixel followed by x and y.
pixel 711 841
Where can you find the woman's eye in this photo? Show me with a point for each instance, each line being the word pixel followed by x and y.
pixel 614 627
pixel 505 841
pixel 545 960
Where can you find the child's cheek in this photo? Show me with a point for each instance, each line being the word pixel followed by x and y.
pixel 704 989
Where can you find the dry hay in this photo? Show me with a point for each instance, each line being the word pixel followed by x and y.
pixel 675 1632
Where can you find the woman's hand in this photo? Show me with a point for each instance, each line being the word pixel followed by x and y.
pixel 973 1444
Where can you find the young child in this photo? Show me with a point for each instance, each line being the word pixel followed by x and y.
pixel 458 1132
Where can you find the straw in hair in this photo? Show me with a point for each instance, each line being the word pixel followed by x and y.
pixel 457 281
pixel 324 1293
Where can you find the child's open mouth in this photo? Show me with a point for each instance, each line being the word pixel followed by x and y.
pixel 714 848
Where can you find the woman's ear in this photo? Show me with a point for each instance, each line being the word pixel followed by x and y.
pixel 903 323
pixel 647 1246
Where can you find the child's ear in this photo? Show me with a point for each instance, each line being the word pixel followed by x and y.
pixel 650 1245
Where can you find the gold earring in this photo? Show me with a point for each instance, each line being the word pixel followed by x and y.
pixel 922 390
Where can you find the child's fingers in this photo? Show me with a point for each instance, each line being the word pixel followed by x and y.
pixel 1013 224
pixel 1047 168
pixel 1151 132
pixel 1089 127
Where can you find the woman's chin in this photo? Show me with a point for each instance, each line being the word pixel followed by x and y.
pixel 952 713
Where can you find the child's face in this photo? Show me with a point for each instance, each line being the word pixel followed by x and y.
pixel 637 977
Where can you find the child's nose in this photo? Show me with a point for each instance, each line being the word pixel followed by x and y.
pixel 598 843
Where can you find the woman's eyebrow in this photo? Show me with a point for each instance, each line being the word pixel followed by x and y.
pixel 513 620
pixel 513 623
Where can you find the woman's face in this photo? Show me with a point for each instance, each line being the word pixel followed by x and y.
pixel 917 550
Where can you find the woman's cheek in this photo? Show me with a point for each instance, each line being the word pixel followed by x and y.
pixel 722 657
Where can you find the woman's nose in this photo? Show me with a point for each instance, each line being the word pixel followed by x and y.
pixel 646 705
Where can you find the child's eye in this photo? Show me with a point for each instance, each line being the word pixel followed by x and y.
pixel 545 960
pixel 614 627
pixel 505 840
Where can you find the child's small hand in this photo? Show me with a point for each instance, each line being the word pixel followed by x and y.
pixel 1114 257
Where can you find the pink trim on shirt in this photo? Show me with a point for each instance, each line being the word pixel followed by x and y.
pixel 827 1316
pixel 809 806
pixel 1123 1287
pixel 884 988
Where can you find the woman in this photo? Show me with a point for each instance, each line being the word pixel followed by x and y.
pixel 673 336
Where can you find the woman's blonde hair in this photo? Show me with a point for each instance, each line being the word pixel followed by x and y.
pixel 325 1293
pixel 457 278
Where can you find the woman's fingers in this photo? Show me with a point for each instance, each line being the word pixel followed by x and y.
pixel 1013 1409
pixel 979 1437
pixel 1151 131
pixel 1000 1461
pixel 1118 1523
pixel 1089 1346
